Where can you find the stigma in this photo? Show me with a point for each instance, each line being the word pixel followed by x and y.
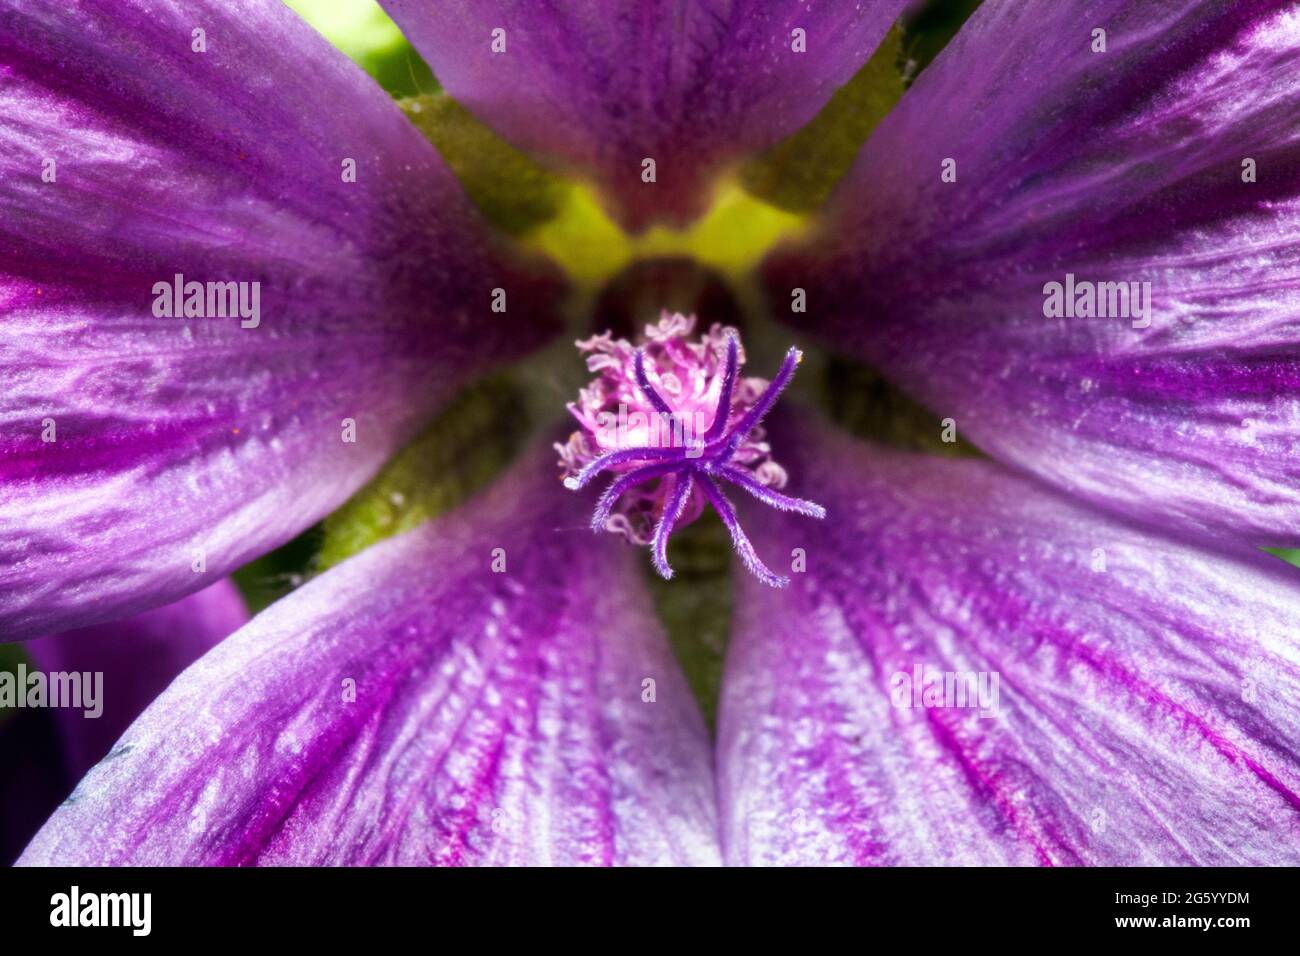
pixel 672 421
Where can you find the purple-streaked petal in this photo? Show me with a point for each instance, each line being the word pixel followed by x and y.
pixel 130 443
pixel 498 717
pixel 1148 702
pixel 45 751
pixel 138 658
pixel 1123 166
pixel 605 84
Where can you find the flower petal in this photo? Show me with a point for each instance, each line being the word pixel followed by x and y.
pixel 605 84
pixel 414 706
pixel 1124 166
pixel 129 442
pixel 1148 695
pixel 138 658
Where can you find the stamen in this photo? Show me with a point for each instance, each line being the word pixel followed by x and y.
pixel 765 401
pixel 723 412
pixel 647 389
pixel 615 458
pixel 624 484
pixel 681 494
pixel 738 537
pixel 768 496
pixel 724 451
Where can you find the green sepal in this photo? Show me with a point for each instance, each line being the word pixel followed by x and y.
pixel 363 32
pixel 1289 555
pixel 864 402
pixel 798 173
pixel 11 655
pixel 467 445
pixel 513 191
pixel 928 30
pixel 695 606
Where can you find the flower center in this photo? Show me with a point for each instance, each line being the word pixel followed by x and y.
pixel 671 420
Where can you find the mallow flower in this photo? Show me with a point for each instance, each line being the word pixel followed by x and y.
pixel 1075 240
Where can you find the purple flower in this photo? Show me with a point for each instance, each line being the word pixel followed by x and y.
pixel 1071 651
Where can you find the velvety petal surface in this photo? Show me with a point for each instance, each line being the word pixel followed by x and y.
pixel 135 448
pixel 1148 697
pixel 604 84
pixel 138 658
pixel 414 706
pixel 1123 166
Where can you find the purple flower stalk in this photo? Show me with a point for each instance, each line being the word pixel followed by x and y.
pixel 1072 649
